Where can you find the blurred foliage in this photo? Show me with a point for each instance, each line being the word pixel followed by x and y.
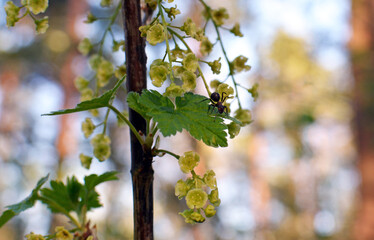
pixel 298 95
pixel 298 100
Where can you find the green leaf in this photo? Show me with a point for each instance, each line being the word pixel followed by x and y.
pixel 99 102
pixel 133 102
pixel 189 112
pixel 61 198
pixel 25 204
pixel 89 196
pixel 93 180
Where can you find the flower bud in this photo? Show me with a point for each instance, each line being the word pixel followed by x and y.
pixel 236 30
pixel 197 217
pixel 254 91
pixel 90 18
pixel 210 179
pixel 187 216
pixel 85 46
pixel 213 198
pixel 210 211
pixel 85 160
pixel 88 127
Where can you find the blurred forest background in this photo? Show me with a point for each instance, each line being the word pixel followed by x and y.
pixel 300 171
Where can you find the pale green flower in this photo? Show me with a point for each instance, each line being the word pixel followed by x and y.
pixel 219 16
pixel 63 234
pixel 37 6
pixel 188 161
pixel 106 3
pixel 156 34
pixel 12 12
pixel 206 46
pixel 215 66
pixel 243 115
pixel 158 72
pixel 33 236
pixel 196 198
pixel 41 25
pixel 174 90
pixel 238 64
pixel 181 189
pixel 190 62
pixel 81 83
pixel 104 72
pixel 234 129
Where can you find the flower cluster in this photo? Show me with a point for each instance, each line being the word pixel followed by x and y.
pixel 180 63
pixel 32 7
pixel 103 72
pixel 60 234
pixel 200 203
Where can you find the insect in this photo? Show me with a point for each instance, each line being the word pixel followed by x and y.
pixel 217 102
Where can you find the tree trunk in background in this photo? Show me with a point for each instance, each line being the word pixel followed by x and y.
pixel 362 60
pixel 141 162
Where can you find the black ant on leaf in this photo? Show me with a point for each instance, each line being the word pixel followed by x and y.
pixel 217 102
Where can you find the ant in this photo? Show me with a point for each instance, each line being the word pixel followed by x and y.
pixel 217 102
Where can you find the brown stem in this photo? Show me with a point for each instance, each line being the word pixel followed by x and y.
pixel 141 161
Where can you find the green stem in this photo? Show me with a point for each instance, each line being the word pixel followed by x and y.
pixel 120 115
pixel 106 120
pixel 168 152
pixel 112 20
pixel 189 49
pixel 166 38
pixel 61 210
pixel 208 10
